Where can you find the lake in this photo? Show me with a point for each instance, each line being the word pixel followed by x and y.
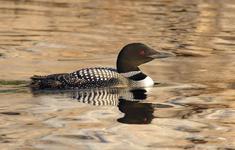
pixel 192 107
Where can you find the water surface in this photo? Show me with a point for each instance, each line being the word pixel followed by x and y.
pixel 192 107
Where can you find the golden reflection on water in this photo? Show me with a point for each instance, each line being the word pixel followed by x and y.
pixel 45 36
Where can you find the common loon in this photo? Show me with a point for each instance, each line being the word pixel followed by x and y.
pixel 127 73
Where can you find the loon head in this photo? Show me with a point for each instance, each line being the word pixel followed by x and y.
pixel 135 54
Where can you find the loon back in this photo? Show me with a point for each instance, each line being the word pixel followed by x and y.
pixel 84 78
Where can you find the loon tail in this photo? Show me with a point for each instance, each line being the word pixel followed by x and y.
pixel 54 81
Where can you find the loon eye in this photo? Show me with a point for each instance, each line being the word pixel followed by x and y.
pixel 142 52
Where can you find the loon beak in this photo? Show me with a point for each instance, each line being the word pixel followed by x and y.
pixel 160 54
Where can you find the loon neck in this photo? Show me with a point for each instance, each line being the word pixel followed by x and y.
pixel 138 79
pixel 134 75
pixel 130 71
pixel 123 67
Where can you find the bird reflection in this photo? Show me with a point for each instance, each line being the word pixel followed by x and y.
pixel 135 112
pixel 129 102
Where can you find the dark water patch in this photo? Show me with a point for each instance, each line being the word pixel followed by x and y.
pixel 10 113
pixel 197 140
pixel 230 38
pixel 162 106
pixel 227 44
pixel 226 148
pixel 179 10
pixel 5 141
pixel 97 136
pixel 8 32
pixel 13 82
pixel 18 89
pixel 23 40
pixel 45 3
pixel 194 109
pixel 101 138
pixel 228 123
pixel 29 124
pixel 41 30
pixel 187 54
pixel 168 146
pixel 10 91
pixel 189 146
pixel 50 142
pixel 231 85
pixel 178 30
pixel 73 119
pixel 19 35
pixel 187 129
pixel 153 13
pixel 78 137
pixel 5 44
pixel 154 4
pixel 20 10
pixel 206 106
pixel 58 4
pixel 2 55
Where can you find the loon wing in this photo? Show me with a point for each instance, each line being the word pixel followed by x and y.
pixel 55 81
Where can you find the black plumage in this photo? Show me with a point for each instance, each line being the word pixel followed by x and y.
pixel 84 78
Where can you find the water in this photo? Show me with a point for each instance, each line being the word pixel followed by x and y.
pixel 192 107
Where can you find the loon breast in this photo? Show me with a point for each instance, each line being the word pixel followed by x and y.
pixel 147 82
